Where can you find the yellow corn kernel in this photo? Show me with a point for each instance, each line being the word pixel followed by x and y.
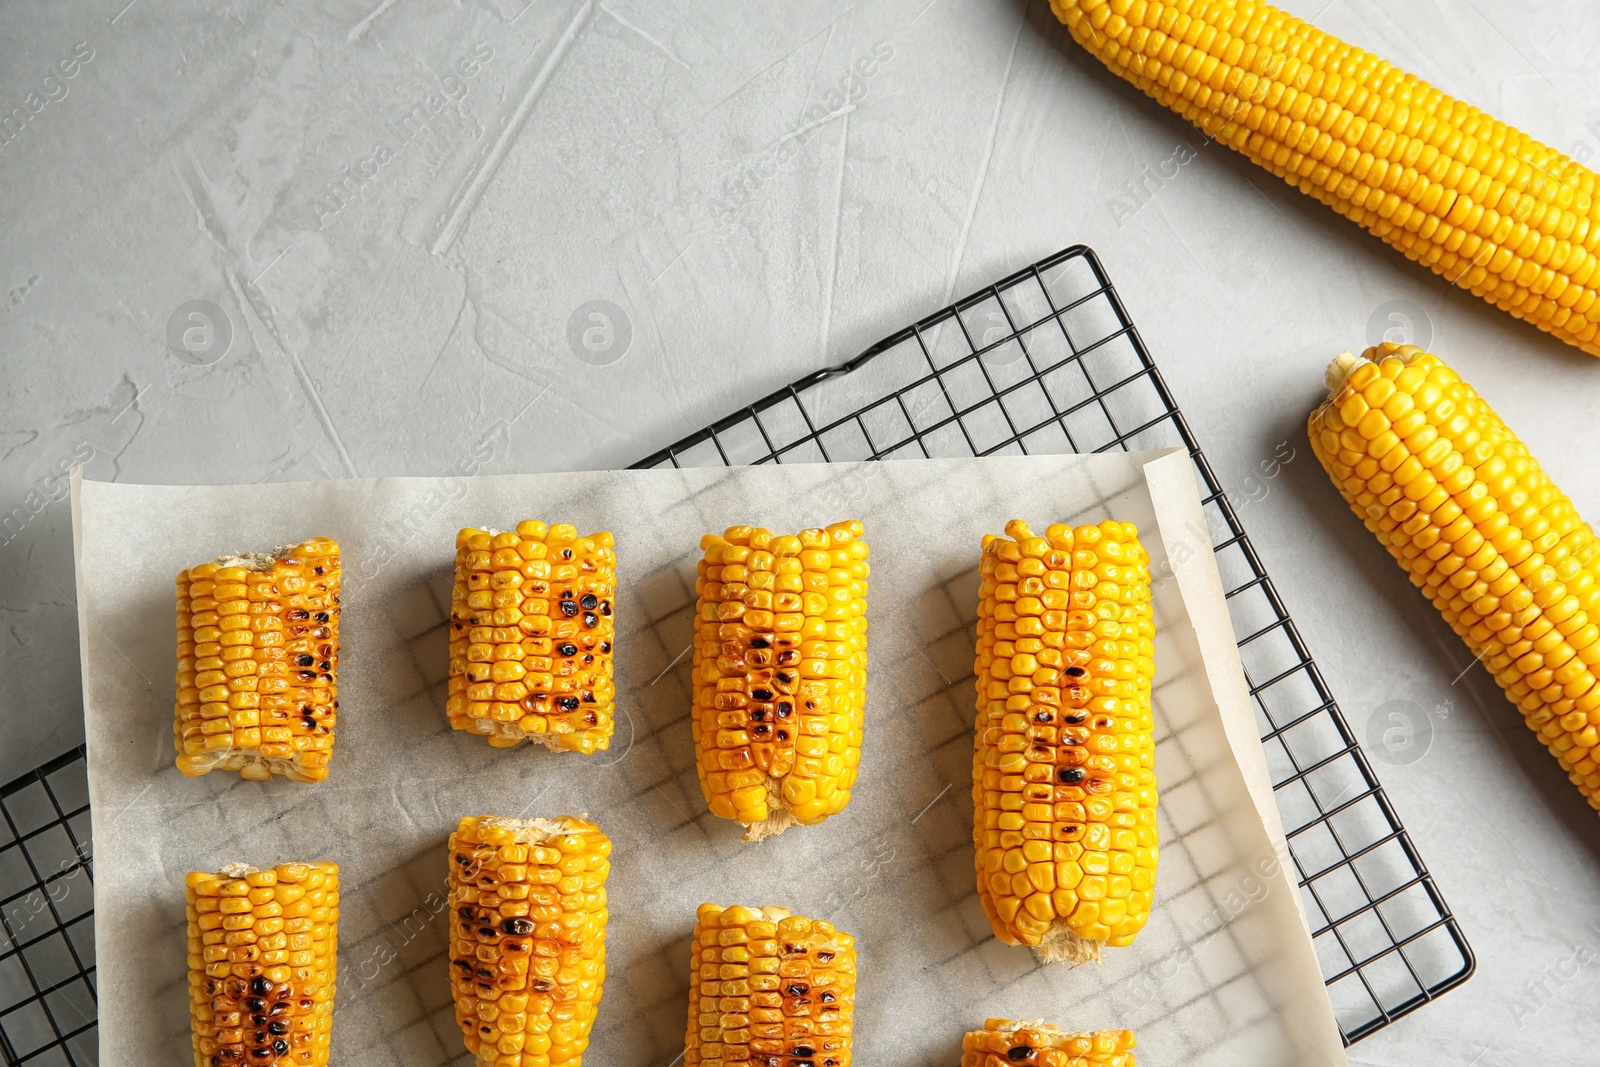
pixel 1497 547
pixel 1471 198
pixel 766 986
pixel 1063 766
pixel 780 673
pixel 1004 1041
pixel 250 999
pixel 527 936
pixel 531 632
pixel 258 663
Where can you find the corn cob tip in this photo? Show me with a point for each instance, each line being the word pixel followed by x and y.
pixel 1060 945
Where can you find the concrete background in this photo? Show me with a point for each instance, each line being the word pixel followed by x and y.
pixel 281 240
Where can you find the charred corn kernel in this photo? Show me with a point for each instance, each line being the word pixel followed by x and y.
pixel 1482 531
pixel 258 663
pixel 768 987
pixel 780 673
pixel 527 937
pixel 1465 195
pixel 1063 766
pixel 1003 1042
pixel 531 632
pixel 261 980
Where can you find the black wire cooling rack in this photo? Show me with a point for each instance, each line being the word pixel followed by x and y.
pixel 1044 361
pixel 47 994
pixel 1048 361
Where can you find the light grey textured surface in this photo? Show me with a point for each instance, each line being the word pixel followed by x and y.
pixel 755 210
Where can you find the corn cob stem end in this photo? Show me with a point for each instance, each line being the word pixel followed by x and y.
pixel 1340 369
pixel 249 765
pixel 255 561
pixel 1060 945
pixel 1346 362
pixel 779 817
pixel 771 826
pixel 538 831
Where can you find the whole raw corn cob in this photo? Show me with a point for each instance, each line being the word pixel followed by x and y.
pixel 262 950
pixel 1063 766
pixel 258 663
pixel 527 937
pixel 1458 501
pixel 769 989
pixel 780 673
pixel 1467 196
pixel 530 637
pixel 1003 1042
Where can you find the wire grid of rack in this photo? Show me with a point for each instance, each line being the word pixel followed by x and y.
pixel 1047 361
pixel 1044 361
pixel 47 993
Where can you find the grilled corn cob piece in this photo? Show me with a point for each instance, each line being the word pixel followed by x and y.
pixel 258 663
pixel 527 937
pixel 769 989
pixel 530 637
pixel 1467 196
pixel 262 950
pixel 780 673
pixel 1458 501
pixel 1003 1042
pixel 1063 766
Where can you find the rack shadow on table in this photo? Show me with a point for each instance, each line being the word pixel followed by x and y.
pixel 1044 361
pixel 1047 361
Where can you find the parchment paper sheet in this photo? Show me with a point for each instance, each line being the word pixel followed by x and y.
pixel 1223 974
